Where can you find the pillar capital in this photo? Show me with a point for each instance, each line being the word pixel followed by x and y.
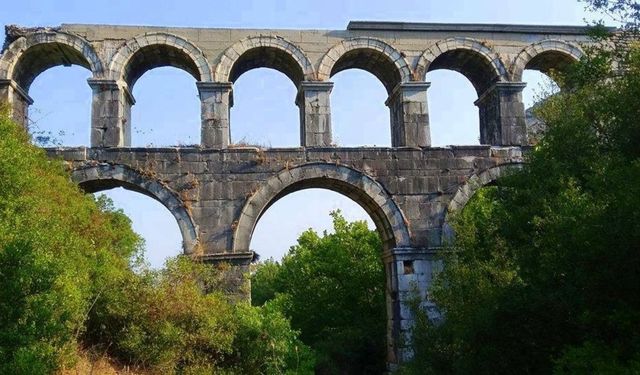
pixel 310 86
pixel 103 84
pixel 502 87
pixel 409 253
pixel 239 258
pixel 209 87
pixel 405 88
pixel 316 85
pixel 6 83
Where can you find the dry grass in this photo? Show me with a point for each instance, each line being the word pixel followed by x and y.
pixel 89 364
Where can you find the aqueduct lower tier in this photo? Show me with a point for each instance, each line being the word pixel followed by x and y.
pixel 217 197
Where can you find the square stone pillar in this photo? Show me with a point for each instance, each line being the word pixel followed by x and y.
pixel 216 101
pixel 409 274
pixel 110 114
pixel 502 120
pixel 409 115
pixel 313 99
pixel 17 99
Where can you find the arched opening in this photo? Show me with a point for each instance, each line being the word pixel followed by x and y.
pixel 279 227
pixel 167 108
pixel 368 193
pixel 453 116
pixel 334 278
pixel 466 192
pixel 95 179
pixel 264 112
pixel 539 73
pixel 152 221
pixel 60 115
pixel 358 116
pixel 357 119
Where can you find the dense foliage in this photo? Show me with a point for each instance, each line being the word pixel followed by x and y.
pixel 72 279
pixel 333 289
pixel 544 273
pixel 57 248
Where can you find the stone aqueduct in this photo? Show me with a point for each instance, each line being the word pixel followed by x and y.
pixel 218 193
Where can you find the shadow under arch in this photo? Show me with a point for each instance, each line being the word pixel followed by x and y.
pixel 473 59
pixel 545 56
pixel 27 57
pixel 264 52
pixel 93 179
pixel 465 192
pixel 372 55
pixel 145 52
pixel 365 191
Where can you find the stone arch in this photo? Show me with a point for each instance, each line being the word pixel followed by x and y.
pixel 466 191
pixel 29 56
pixel 264 51
pixel 104 176
pixel 365 191
pixel 375 56
pixel 472 58
pixel 153 50
pixel 544 56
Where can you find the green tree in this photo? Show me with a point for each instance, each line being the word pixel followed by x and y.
pixel 332 287
pixel 543 277
pixel 57 246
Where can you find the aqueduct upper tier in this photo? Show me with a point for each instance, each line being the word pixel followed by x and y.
pixel 492 57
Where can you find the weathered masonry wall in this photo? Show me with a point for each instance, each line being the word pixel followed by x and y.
pixel 492 57
pixel 217 193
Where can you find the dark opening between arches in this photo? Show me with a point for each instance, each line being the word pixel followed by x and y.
pixel 357 195
pixel 373 62
pixel 469 63
pixel 549 61
pixel 267 57
pixel 41 57
pixel 155 56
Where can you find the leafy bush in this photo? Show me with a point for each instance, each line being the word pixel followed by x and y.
pixel 56 245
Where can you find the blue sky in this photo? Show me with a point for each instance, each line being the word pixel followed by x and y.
pixel 167 109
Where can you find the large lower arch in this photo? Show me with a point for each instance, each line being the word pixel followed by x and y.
pixel 365 191
pixel 264 52
pixel 153 50
pixel 27 57
pixel 472 58
pixel 545 56
pixel 469 189
pixel 104 176
pixel 375 56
